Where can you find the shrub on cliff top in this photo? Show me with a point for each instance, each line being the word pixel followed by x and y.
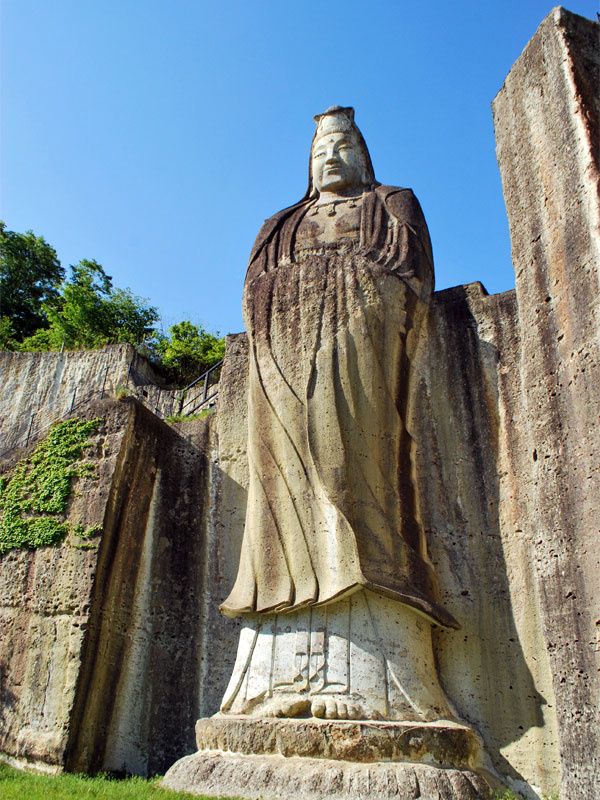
pixel 188 351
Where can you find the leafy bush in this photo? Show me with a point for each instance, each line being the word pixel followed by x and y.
pixel 189 351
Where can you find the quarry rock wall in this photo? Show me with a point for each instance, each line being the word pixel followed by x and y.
pixel 45 598
pixel 39 388
pixel 107 654
pixel 547 121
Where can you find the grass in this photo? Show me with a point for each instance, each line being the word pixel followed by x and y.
pixel 18 785
pixel 183 418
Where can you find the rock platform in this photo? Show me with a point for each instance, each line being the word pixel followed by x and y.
pixel 310 759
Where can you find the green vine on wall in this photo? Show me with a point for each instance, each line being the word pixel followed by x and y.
pixel 34 496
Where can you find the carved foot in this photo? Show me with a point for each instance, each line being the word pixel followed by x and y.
pixel 338 709
pixel 294 706
pixel 287 707
pixel 322 707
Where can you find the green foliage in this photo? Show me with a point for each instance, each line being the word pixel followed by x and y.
pixel 182 418
pixel 30 277
pixel 189 351
pixel 84 542
pixel 17 785
pixel 34 496
pixel 7 333
pixel 40 311
pixel 90 313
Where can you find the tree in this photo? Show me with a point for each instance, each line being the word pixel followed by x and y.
pixel 90 314
pixel 39 310
pixel 6 334
pixel 30 277
pixel 189 351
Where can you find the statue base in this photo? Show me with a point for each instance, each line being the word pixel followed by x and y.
pixel 311 759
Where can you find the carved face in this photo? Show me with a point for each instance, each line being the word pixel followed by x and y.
pixel 337 163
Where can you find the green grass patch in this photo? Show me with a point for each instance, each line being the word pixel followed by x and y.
pixel 18 785
pixel 183 418
pixel 34 495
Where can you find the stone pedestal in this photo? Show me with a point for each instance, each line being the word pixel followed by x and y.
pixel 310 759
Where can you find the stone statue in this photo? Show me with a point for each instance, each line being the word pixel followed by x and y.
pixel 334 585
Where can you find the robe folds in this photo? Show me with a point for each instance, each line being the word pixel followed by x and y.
pixel 332 328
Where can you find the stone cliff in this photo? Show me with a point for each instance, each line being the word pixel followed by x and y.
pixel 96 643
pixel 109 655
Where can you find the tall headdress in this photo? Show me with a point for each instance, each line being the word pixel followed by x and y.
pixel 339 120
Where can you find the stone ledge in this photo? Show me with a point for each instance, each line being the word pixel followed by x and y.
pixel 271 777
pixel 441 744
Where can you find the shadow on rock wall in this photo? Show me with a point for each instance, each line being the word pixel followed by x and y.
pixel 457 427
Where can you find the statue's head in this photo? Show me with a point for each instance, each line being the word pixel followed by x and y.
pixel 339 159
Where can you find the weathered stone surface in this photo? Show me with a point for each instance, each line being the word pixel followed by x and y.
pixel 434 743
pixel 547 119
pixel 39 388
pixel 471 461
pixel 334 585
pixel 382 669
pixel 495 670
pixel 45 598
pixel 279 778
pixel 97 668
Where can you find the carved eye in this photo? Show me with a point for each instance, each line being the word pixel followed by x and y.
pixel 319 154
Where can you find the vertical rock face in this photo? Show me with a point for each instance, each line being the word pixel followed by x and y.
pixel 149 669
pixel 147 603
pixel 547 119
pixel 107 655
pixel 468 418
pixel 45 599
pixel 39 388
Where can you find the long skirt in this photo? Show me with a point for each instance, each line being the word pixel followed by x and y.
pixel 331 499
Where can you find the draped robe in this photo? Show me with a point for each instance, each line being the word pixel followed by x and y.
pixel 332 328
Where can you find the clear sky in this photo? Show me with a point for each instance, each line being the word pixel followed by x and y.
pixel 156 136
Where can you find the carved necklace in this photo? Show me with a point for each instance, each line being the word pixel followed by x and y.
pixel 352 203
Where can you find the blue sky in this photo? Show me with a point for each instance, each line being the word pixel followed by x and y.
pixel 155 137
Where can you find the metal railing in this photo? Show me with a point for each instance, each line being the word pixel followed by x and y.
pixel 42 419
pixel 196 402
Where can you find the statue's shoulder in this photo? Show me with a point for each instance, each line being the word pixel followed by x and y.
pixel 400 203
pixel 270 225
